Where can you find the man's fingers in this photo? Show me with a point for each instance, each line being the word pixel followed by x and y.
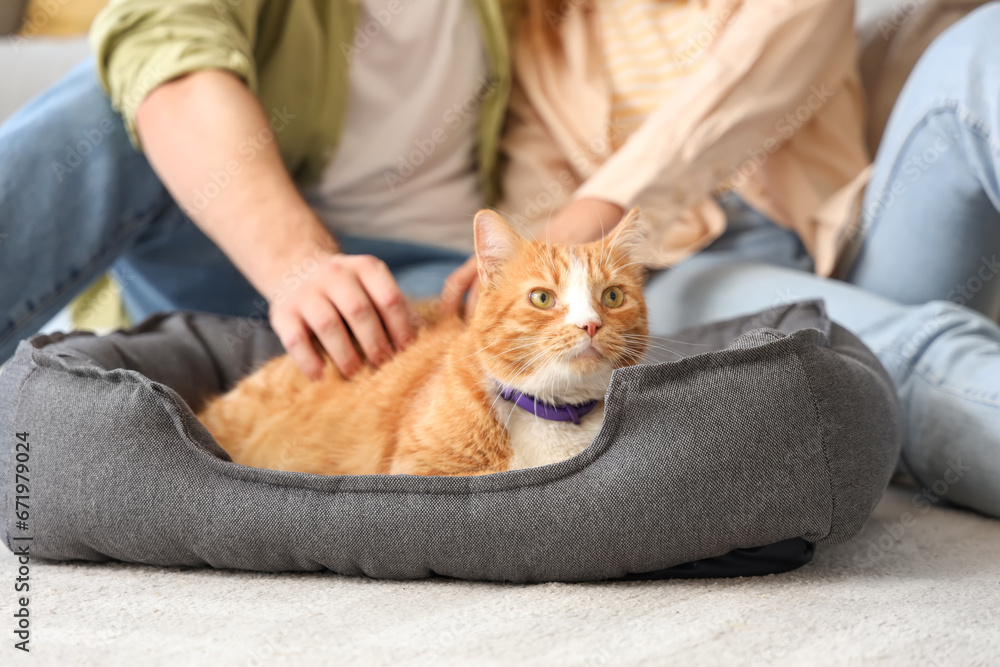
pixel 329 329
pixel 457 285
pixel 295 338
pixel 392 306
pixel 360 314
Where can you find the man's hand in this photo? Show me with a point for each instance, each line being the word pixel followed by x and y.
pixel 193 127
pixel 344 294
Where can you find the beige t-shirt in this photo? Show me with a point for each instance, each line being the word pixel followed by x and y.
pixel 405 168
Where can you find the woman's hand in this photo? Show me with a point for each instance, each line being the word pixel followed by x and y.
pixel 339 295
pixel 463 280
pixel 583 221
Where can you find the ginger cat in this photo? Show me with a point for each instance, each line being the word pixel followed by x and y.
pixel 521 385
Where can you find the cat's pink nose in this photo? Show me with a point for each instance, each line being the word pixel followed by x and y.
pixel 591 327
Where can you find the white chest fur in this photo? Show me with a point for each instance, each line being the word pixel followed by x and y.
pixel 539 442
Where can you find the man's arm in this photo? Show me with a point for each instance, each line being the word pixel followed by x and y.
pixel 193 127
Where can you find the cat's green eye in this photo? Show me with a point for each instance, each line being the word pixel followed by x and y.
pixel 542 298
pixel 613 297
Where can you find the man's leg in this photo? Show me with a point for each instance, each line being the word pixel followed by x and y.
pixel 932 209
pixel 74 195
pixel 174 266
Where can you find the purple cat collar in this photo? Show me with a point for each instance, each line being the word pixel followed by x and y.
pixel 556 413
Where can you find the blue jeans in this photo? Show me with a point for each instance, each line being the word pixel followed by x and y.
pixel 924 292
pixel 76 199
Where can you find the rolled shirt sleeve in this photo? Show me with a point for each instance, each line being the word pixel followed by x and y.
pixel 772 57
pixel 141 44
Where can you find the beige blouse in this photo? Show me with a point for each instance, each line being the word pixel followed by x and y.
pixel 776 113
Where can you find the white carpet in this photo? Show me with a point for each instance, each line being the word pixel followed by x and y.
pixel 929 595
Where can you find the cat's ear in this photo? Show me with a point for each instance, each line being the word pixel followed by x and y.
pixel 496 243
pixel 629 234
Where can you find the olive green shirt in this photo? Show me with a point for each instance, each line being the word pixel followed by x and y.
pixel 293 54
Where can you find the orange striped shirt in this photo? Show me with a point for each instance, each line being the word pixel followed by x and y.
pixel 649 47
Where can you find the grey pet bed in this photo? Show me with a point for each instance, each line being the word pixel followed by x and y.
pixel 774 432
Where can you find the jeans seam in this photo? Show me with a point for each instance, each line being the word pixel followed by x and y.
pixel 953 390
pixel 931 379
pixel 962 114
pixel 120 231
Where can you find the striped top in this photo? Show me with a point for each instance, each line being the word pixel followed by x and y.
pixel 649 47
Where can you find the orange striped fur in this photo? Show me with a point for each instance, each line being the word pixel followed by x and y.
pixel 434 408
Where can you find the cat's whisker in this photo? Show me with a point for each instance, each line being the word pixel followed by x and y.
pixel 517 376
pixel 499 354
pixel 653 337
pixel 647 343
pixel 525 230
pixel 603 239
pixel 662 265
pixel 652 347
pixel 548 220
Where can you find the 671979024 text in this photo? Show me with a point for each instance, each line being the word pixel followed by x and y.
pixel 20 542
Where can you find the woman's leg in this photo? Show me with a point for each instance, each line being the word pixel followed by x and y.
pixel 943 358
pixel 932 244
pixel 932 209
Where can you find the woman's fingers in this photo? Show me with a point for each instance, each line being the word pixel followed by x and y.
pixel 456 286
pixel 472 300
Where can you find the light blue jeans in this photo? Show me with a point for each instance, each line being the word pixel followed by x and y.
pixel 924 293
pixel 77 200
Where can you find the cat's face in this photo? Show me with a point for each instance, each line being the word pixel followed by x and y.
pixel 553 321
